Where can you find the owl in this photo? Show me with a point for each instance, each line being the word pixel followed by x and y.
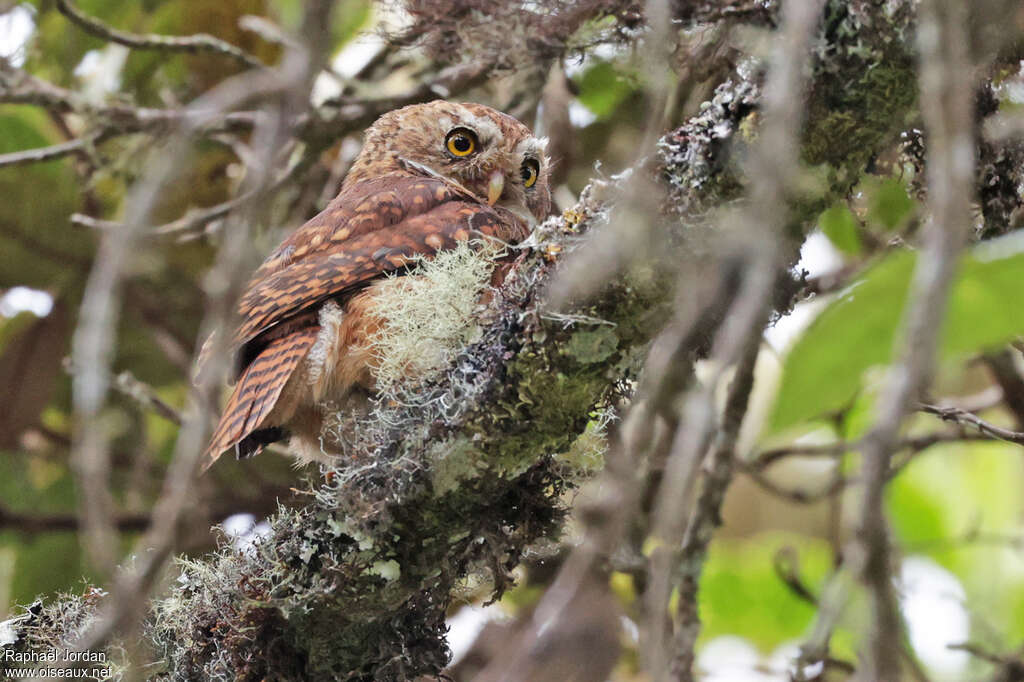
pixel 429 176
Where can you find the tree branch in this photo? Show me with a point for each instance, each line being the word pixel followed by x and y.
pixel 193 44
pixel 38 523
pixel 946 104
pixel 50 153
pixel 962 417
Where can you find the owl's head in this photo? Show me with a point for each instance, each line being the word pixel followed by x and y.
pixel 489 153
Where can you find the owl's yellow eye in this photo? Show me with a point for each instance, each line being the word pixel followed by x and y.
pixel 460 142
pixel 529 172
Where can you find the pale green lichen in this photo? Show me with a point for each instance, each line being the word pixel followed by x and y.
pixel 585 456
pixel 453 461
pixel 430 317
pixel 592 345
pixel 389 570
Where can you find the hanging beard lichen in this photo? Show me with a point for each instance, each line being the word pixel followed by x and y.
pixel 428 318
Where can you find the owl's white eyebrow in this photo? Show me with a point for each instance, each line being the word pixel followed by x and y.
pixel 533 145
pixel 483 127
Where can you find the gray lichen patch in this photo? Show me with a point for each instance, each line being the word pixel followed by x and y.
pixel 53 630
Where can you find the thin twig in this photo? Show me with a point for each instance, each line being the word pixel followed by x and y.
pixel 962 417
pixel 773 170
pixel 50 153
pixel 707 514
pixel 786 563
pixel 194 219
pixel 946 103
pixel 767 458
pixel 837 485
pixel 193 44
pixel 144 395
pixel 38 523
pixel 1013 666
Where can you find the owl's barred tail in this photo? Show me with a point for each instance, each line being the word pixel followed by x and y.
pixel 255 395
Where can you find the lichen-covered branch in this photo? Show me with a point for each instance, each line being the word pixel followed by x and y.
pixel 457 479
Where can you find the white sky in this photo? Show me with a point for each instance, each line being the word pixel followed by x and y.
pixel 20 299
pixel 16 27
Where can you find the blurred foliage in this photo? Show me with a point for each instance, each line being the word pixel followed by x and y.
pixel 973 538
pixel 741 593
pixel 840 226
pixel 858 329
pixel 36 248
pixel 47 561
pixel 602 88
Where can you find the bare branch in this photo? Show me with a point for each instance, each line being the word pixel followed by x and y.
pixel 837 485
pixel 194 220
pixel 914 444
pixel 144 395
pixel 50 153
pixel 773 169
pixel 946 103
pixel 960 416
pixel 707 514
pixel 38 523
pixel 193 44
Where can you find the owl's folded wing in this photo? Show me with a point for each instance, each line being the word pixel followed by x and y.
pixel 328 272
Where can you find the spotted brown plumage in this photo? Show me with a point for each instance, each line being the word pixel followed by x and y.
pixel 294 278
pixel 309 308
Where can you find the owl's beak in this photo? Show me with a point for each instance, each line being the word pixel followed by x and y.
pixel 495 187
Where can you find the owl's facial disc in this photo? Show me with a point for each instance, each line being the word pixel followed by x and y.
pixel 479 157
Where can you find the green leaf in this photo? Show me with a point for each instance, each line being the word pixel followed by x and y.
pixel 986 297
pixel 602 88
pixel 824 369
pixel 918 512
pixel 840 227
pixel 889 204
pixel 740 593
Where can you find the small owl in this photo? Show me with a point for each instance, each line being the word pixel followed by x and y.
pixel 429 176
